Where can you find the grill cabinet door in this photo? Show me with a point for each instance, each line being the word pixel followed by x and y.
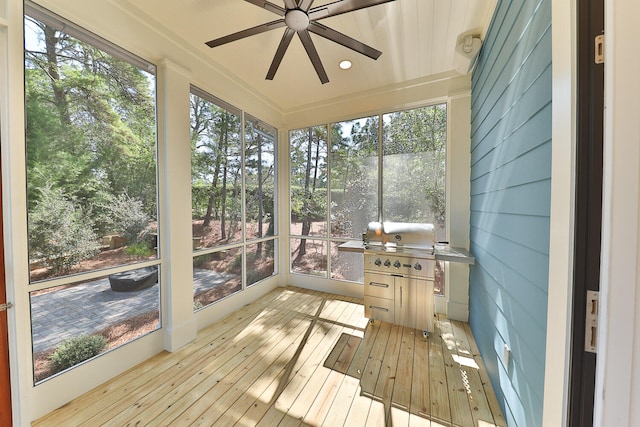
pixel 424 304
pixel 414 303
pixel 405 302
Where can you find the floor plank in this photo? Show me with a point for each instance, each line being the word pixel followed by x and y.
pixel 457 386
pixel 300 358
pixel 222 367
pixel 404 375
pixel 387 376
pixel 480 409
pixel 438 405
pixel 490 395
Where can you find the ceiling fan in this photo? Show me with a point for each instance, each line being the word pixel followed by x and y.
pixel 299 17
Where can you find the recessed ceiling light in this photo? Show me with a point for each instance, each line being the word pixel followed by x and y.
pixel 345 64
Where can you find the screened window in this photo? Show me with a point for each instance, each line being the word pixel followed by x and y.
pixel 233 165
pixel 308 152
pixel 354 176
pixel 354 190
pixel 389 167
pixel 91 193
pixel 260 198
pixel 216 170
pixel 414 165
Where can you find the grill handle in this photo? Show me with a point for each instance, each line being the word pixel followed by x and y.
pixel 379 285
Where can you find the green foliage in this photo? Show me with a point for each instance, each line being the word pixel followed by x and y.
pixel 139 250
pixel 125 216
pixel 200 261
pixel 236 264
pixel 253 203
pixel 315 208
pixel 200 193
pixel 308 151
pixel 414 153
pixel 60 231
pixel 91 137
pixel 75 350
pixel 413 162
pixel 216 165
pixel 354 176
pixel 254 276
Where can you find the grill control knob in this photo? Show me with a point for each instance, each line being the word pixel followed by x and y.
pixel 417 266
pixel 396 264
pixel 378 262
pixel 387 263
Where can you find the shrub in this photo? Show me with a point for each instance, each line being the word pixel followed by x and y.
pixel 236 264
pixel 60 232
pixel 75 350
pixel 125 216
pixel 254 276
pixel 138 250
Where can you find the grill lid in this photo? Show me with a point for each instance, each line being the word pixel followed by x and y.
pixel 413 235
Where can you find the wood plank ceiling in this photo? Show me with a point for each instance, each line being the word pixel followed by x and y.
pixel 417 38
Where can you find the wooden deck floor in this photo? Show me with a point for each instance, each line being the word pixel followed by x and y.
pixel 297 357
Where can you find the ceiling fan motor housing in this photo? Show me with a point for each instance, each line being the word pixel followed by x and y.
pixel 296 19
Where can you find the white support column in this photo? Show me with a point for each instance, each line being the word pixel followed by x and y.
pixel 284 216
pixel 174 162
pixel 458 203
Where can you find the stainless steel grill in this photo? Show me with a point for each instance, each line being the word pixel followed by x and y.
pixel 400 235
pixel 399 269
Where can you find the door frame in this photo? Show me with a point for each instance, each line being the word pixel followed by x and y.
pixel 7 398
pixel 617 371
pixel 588 207
pixel 5 371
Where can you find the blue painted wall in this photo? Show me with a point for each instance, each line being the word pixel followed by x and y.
pixel 510 203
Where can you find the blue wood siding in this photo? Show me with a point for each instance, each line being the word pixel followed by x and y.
pixel 510 203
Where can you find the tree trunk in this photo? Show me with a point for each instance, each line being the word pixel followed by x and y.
pixel 233 222
pixel 306 207
pixel 214 186
pixel 59 97
pixel 260 196
pixel 223 195
pixel 210 205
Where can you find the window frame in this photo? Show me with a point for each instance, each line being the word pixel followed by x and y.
pixel 380 176
pixel 245 242
pixel 45 16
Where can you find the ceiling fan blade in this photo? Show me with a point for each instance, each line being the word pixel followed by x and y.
pixel 344 40
pixel 246 33
pixel 305 38
pixel 305 4
pixel 342 6
pixel 291 4
pixel 268 6
pixel 282 48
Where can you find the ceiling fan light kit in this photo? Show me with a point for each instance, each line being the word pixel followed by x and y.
pixel 300 18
